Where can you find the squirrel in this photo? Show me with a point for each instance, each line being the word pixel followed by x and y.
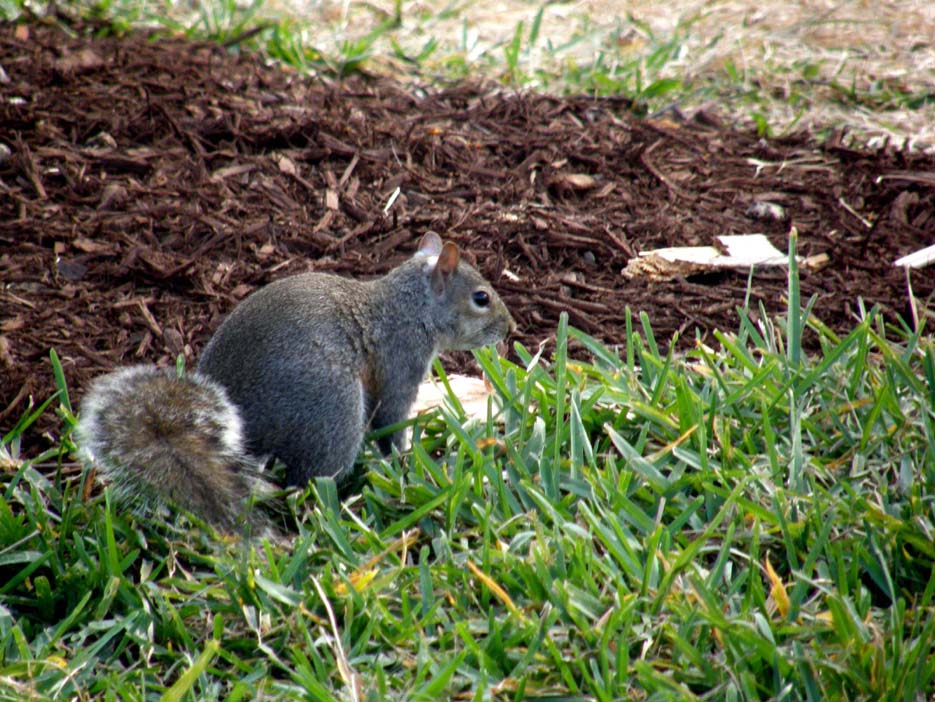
pixel 298 371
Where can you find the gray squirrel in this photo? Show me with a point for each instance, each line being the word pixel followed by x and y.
pixel 298 371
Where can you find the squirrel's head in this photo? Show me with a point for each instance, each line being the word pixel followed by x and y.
pixel 470 312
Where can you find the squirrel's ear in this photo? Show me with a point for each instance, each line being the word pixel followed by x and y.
pixel 430 244
pixel 446 265
pixel 448 258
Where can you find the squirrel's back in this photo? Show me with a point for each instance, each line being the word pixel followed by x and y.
pixel 159 437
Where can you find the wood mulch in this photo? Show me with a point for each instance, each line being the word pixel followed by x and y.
pixel 151 184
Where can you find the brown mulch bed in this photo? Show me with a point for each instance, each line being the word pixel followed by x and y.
pixel 152 184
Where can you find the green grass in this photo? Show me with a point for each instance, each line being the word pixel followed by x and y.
pixel 591 57
pixel 747 523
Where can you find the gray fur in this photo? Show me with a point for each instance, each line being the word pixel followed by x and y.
pixel 300 370
pixel 314 360
pixel 157 437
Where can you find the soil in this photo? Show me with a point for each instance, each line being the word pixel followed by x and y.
pixel 152 183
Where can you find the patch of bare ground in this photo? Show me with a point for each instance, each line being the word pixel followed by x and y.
pixel 864 66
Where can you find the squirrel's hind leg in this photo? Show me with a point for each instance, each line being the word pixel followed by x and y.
pixel 326 432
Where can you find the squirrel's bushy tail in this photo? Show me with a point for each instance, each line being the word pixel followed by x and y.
pixel 157 437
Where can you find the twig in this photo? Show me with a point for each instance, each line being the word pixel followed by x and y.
pixel 246 34
pixel 621 244
pixel 863 220
pixel 651 167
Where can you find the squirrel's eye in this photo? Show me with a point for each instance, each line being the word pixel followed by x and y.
pixel 480 298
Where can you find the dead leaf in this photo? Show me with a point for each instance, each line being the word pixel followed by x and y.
pixel 286 165
pixel 472 393
pixel 90 246
pixel 236 170
pixel 6 355
pixel 13 324
pixel 763 209
pixel 743 252
pixel 82 60
pixel 576 181
pixel 777 590
pixel 917 259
